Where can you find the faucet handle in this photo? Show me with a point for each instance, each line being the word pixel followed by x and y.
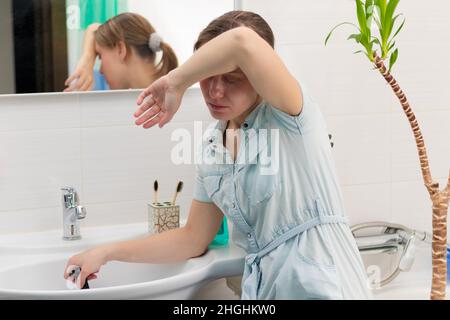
pixel 68 189
pixel 80 212
pixel 70 197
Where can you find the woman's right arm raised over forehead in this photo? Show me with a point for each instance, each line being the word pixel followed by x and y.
pixel 243 48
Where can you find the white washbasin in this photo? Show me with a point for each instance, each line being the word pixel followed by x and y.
pixel 117 280
pixel 49 242
pixel 32 266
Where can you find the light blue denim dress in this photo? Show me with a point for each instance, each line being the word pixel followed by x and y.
pixel 284 200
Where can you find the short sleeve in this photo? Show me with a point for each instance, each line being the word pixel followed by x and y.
pixel 295 123
pixel 199 190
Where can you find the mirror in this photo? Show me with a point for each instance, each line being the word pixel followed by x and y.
pixel 42 40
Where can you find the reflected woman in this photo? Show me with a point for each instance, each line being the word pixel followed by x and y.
pixel 127 45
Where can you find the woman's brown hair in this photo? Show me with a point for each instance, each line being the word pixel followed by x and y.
pixel 235 19
pixel 135 30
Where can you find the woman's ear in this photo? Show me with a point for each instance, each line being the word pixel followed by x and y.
pixel 122 51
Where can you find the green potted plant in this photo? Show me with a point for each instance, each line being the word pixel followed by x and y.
pixel 378 49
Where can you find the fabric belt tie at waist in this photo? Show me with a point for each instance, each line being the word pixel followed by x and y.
pixel 252 272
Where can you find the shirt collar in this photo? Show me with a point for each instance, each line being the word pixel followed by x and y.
pixel 252 121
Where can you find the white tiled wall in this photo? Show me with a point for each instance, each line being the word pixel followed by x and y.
pixel 88 141
pixel 374 150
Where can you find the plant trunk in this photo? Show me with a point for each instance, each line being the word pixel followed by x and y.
pixel 439 198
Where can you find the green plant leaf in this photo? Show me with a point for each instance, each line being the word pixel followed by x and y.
pixel 376 40
pixel 390 10
pixel 377 21
pixel 340 24
pixel 361 14
pixel 380 5
pixel 391 45
pixel 399 28
pixel 393 59
pixel 356 36
pixel 369 6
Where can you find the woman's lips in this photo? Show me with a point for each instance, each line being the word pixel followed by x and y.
pixel 216 107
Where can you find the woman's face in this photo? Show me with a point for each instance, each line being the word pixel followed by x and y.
pixel 229 95
pixel 112 68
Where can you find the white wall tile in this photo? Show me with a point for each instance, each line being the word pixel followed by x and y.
pixel 371 202
pixel 123 162
pixel 31 220
pixel 436 132
pixel 39 112
pixel 98 110
pixel 411 205
pixel 361 148
pixel 340 82
pixel 34 165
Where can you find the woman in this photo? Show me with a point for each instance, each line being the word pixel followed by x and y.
pixel 291 220
pixel 126 45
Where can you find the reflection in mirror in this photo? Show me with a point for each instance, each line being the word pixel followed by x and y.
pixel 54 45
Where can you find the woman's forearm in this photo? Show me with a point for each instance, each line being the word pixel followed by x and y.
pixel 89 52
pixel 218 56
pixel 242 48
pixel 168 247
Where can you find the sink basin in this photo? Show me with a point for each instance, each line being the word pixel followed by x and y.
pixel 32 266
pixel 44 280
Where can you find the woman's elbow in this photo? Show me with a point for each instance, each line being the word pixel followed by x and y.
pixel 198 245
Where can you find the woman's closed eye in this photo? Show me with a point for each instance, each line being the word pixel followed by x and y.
pixel 232 79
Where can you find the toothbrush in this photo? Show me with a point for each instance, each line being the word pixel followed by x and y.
pixel 155 194
pixel 179 188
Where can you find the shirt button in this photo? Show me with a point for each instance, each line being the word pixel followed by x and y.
pixel 233 205
pixel 249 235
pixel 245 125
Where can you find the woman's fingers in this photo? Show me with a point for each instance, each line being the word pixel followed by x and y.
pixel 153 121
pixel 82 278
pixel 143 95
pixel 149 115
pixel 71 78
pixel 86 85
pixel 165 119
pixel 70 266
pixel 92 277
pixel 147 105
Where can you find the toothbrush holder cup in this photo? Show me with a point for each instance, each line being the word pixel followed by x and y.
pixel 162 216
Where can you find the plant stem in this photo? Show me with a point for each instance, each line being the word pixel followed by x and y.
pixel 440 199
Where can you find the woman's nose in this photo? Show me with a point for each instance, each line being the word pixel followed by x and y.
pixel 101 69
pixel 216 88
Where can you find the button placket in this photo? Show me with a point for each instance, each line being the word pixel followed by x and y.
pixel 239 219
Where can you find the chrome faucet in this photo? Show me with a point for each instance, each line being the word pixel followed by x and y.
pixel 72 212
pixel 391 239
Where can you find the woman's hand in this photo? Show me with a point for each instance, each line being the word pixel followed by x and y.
pixel 84 76
pixel 90 262
pixel 163 101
